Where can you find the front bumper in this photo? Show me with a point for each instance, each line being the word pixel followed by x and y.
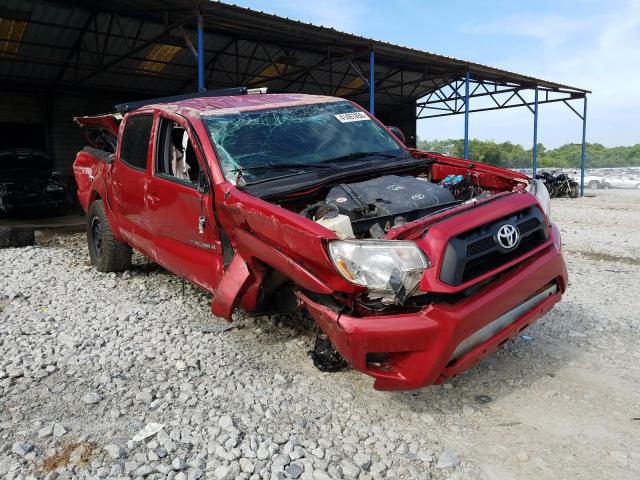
pixel 421 345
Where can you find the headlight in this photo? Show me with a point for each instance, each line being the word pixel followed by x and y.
pixel 537 188
pixel 390 267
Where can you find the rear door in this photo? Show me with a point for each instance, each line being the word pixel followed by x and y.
pixel 181 216
pixel 129 179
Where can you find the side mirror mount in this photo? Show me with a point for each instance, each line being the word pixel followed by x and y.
pixel 397 132
pixel 203 183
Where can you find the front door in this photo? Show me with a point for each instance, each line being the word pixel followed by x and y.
pixel 185 234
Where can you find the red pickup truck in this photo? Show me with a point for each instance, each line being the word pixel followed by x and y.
pixel 413 264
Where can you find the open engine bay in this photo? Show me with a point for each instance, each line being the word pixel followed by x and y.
pixel 370 208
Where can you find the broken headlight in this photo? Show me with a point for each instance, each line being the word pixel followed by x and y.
pixel 537 188
pixel 390 267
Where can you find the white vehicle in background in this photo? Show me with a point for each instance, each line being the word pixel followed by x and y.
pixel 593 181
pixel 621 182
pixel 590 181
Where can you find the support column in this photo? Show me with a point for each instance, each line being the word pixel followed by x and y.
pixel 535 134
pixel 330 60
pixel 201 87
pixel 583 150
pixel 372 88
pixel 466 116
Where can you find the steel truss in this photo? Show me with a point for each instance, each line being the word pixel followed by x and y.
pixel 352 71
pixel 454 98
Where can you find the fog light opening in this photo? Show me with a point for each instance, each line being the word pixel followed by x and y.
pixel 377 359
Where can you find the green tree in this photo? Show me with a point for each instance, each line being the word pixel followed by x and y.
pixel 512 155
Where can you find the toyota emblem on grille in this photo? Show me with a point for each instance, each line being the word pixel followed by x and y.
pixel 508 236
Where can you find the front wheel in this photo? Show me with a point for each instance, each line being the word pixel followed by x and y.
pixel 594 184
pixel 574 192
pixel 107 254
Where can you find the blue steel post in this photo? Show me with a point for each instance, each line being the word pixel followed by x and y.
pixel 583 150
pixel 535 134
pixel 466 116
pixel 200 54
pixel 372 88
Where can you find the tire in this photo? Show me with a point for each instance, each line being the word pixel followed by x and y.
pixel 594 184
pixel 107 254
pixel 574 191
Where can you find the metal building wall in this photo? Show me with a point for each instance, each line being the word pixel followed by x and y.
pixel 65 137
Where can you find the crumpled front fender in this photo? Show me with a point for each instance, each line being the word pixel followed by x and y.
pixel 244 271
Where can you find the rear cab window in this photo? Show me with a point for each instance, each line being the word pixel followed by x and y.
pixel 134 150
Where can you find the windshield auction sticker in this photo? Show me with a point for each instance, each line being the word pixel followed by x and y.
pixel 352 117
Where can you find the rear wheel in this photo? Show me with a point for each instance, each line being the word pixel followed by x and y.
pixel 107 254
pixel 594 184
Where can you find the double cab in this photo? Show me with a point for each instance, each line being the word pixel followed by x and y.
pixel 413 264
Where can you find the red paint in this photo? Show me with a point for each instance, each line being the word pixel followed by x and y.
pixel 160 218
pixel 422 343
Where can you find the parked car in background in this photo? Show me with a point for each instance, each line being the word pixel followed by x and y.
pixel 591 181
pixel 622 182
pixel 28 185
pixel 413 264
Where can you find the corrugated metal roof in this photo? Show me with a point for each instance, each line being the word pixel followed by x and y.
pixel 88 45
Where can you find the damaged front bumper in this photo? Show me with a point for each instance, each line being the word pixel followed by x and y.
pixel 442 340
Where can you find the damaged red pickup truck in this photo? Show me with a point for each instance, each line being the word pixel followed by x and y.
pixel 414 265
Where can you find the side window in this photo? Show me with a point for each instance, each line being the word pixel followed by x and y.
pixel 135 141
pixel 175 156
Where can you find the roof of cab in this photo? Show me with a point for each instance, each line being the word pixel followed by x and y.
pixel 237 103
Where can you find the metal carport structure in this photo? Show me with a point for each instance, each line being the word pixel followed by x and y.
pixel 132 49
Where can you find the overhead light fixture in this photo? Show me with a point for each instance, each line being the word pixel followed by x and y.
pixel 158 58
pixel 354 84
pixel 273 70
pixel 11 33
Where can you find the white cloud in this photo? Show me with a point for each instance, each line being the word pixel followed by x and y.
pixel 598 53
pixel 552 30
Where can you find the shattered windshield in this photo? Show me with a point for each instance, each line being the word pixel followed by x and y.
pixel 268 143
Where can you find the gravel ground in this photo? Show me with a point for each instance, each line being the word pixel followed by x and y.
pixel 129 376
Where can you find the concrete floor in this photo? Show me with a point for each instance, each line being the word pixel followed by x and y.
pixel 68 223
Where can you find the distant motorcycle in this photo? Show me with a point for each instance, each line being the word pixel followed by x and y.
pixel 559 184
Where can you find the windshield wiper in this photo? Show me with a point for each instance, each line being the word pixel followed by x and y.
pixel 357 155
pixel 279 166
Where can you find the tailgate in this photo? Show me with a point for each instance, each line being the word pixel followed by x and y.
pixel 100 131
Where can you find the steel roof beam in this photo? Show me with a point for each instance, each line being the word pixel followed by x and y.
pixel 527 104
pixel 134 50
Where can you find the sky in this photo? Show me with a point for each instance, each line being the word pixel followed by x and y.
pixel 588 44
